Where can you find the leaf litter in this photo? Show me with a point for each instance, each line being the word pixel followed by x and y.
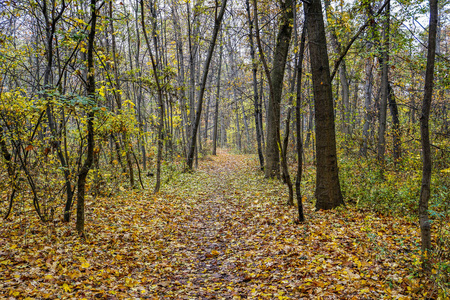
pixel 223 232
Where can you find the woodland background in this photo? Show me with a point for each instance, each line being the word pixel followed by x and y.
pixel 103 98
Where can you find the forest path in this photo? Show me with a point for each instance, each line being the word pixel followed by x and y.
pixel 235 238
pixel 220 229
pixel 222 232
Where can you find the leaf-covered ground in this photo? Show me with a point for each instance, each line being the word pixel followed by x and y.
pixel 223 232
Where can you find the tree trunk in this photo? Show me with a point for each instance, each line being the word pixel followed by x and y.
pixel 261 110
pixel 384 88
pixel 328 190
pixel 193 49
pixel 205 132
pixel 216 109
pixel 247 130
pixel 90 89
pixel 118 98
pixel 396 130
pixel 56 143
pixel 223 132
pixel 217 23
pixel 181 75
pixel 156 73
pixel 298 191
pixel 367 97
pixel 425 225
pixel 238 127
pixel 139 98
pixel 276 77
pixel 255 87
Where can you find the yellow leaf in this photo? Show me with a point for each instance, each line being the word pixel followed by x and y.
pixel 339 288
pixel 85 265
pixel 48 276
pixel 13 247
pixel 66 288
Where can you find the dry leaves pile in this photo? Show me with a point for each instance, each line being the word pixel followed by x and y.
pixel 221 233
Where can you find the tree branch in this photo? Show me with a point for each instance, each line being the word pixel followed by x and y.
pixel 344 53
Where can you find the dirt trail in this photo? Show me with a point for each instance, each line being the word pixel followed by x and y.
pixel 213 246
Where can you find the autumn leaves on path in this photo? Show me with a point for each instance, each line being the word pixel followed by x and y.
pixel 224 229
pixel 215 230
pixel 223 232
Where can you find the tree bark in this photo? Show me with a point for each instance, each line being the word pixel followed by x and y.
pixel 328 190
pixel 396 130
pixel 90 89
pixel 216 109
pixel 276 77
pixel 255 87
pixel 384 88
pixel 425 225
pixel 298 191
pixel 368 87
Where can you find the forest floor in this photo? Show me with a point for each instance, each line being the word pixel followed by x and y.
pixel 223 232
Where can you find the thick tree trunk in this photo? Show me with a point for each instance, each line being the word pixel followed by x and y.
pixel 328 190
pixel 425 224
